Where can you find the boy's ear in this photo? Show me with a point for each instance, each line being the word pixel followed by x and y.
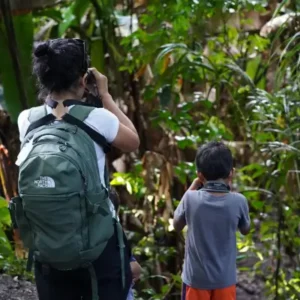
pixel 201 177
pixel 232 173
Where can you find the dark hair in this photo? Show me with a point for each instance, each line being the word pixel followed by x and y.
pixel 114 197
pixel 58 64
pixel 214 160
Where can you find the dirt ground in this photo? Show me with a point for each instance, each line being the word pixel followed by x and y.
pixel 15 289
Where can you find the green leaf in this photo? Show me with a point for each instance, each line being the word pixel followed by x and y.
pixel 257 204
pixel 260 256
pixel 72 15
pixel 80 9
pixel 165 95
pixel 168 48
pixel 291 41
pixel 118 180
pixel 68 18
pixel 129 187
pixel 98 55
pixel 24 34
pixel 237 69
pixel 23 26
pixel 4 212
pixel 51 13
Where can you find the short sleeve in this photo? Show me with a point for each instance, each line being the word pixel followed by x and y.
pixel 180 212
pixel 132 258
pixel 244 219
pixel 23 123
pixel 105 122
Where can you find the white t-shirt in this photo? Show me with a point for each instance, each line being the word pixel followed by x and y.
pixel 100 119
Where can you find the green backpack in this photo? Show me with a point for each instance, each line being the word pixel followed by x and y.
pixel 63 211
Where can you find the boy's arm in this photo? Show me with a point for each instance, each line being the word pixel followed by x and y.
pixel 244 221
pixel 179 221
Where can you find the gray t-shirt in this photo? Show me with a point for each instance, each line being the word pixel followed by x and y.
pixel 210 252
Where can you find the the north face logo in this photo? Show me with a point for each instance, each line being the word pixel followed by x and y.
pixel 45 182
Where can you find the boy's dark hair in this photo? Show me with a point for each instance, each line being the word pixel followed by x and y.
pixel 214 160
pixel 114 197
pixel 58 64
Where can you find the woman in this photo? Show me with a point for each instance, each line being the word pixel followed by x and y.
pixel 61 67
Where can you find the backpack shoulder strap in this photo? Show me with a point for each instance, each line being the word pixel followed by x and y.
pixel 38 116
pixel 81 112
pixel 37 113
pixel 77 115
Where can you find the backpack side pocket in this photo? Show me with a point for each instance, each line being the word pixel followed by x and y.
pixel 100 220
pixel 20 221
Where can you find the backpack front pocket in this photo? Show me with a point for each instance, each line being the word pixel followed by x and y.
pixel 56 222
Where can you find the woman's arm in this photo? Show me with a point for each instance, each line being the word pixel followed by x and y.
pixel 110 105
pixel 127 138
pixel 108 101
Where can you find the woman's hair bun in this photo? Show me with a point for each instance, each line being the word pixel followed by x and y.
pixel 42 50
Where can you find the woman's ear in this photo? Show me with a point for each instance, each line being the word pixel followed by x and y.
pixel 83 80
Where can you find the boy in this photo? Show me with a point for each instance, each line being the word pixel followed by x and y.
pixel 212 214
pixel 134 265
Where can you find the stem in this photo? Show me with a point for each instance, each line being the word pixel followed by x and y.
pixel 278 236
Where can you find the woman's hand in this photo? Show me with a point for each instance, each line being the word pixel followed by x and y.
pixel 101 81
pixel 136 270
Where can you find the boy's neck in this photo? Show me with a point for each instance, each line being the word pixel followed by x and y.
pixel 218 193
pixel 225 181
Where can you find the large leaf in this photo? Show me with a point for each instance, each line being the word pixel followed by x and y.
pixel 72 15
pixel 4 213
pixel 23 27
pixel 5 247
pixel 97 55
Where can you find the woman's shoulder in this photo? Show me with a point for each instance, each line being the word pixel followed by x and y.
pixel 26 114
pixel 23 115
pixel 101 117
pixel 103 112
pixel 104 122
pixel 23 123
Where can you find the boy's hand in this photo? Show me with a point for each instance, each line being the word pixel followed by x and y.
pixel 196 184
